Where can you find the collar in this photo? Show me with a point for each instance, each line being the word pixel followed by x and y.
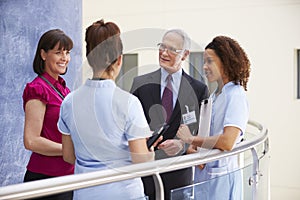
pixel 175 76
pixel 107 83
pixel 227 85
pixel 52 80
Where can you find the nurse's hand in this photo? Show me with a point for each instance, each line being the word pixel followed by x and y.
pixel 184 134
pixel 171 147
pixel 191 149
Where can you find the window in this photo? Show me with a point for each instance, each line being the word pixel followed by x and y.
pixel 298 73
pixel 128 71
pixel 196 65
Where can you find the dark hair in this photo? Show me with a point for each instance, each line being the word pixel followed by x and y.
pixel 103 44
pixel 236 65
pixel 47 42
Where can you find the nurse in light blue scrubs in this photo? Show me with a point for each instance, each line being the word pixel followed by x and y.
pixel 103 126
pixel 226 63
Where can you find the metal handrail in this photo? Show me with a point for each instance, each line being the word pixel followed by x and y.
pixel 77 181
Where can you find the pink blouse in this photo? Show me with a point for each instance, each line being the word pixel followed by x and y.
pixel 39 89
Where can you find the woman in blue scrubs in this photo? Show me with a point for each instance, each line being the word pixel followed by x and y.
pixel 226 63
pixel 103 126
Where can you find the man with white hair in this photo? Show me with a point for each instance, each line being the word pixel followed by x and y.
pixel 170 96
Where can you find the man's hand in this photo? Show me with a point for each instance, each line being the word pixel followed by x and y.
pixel 184 134
pixel 155 143
pixel 171 147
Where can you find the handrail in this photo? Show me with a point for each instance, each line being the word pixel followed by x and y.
pixel 77 181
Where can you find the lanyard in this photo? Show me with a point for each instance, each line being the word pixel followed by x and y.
pixel 61 96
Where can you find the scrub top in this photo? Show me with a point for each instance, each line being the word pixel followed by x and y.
pixel 229 108
pixel 101 118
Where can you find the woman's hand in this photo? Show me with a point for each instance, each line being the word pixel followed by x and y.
pixel 184 134
pixel 191 149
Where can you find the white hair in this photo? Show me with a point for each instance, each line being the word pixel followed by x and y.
pixel 184 35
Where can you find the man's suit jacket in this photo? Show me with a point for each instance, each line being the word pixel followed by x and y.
pixel 148 90
pixel 191 92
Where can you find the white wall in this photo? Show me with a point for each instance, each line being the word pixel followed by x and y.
pixel 268 30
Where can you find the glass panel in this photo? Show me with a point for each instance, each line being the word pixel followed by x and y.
pixel 216 188
pixel 263 190
pixel 207 190
pixel 247 188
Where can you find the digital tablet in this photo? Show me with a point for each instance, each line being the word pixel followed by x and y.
pixel 157 133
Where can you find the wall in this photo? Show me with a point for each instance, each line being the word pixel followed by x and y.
pixel 269 32
pixel 21 25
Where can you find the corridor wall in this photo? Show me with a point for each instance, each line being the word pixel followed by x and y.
pixel 21 25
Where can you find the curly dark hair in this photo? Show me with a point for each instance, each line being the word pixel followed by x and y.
pixel 235 61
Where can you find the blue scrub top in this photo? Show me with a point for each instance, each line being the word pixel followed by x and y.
pixel 229 108
pixel 101 118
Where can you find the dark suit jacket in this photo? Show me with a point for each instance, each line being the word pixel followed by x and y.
pixel 191 92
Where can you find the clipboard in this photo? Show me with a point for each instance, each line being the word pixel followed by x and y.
pixel 205 118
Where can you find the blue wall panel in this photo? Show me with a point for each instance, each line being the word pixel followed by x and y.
pixel 21 25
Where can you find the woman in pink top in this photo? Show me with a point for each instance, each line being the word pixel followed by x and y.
pixel 41 101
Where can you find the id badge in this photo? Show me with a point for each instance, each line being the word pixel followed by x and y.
pixel 189 117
